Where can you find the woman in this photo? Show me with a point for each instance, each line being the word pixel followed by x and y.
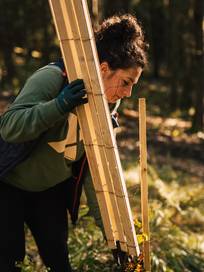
pixel 33 192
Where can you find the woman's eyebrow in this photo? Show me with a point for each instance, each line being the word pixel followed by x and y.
pixel 131 79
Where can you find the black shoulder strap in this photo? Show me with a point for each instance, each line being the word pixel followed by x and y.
pixel 60 63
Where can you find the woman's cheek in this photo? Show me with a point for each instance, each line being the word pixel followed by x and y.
pixel 110 92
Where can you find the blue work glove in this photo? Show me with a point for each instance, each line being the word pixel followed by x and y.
pixel 71 96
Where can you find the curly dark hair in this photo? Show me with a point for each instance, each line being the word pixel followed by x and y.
pixel 120 42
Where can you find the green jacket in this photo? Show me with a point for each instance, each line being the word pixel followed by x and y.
pixel 35 114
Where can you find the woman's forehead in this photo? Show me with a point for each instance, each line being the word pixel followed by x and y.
pixel 129 73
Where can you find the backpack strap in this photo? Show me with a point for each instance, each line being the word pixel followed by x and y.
pixel 60 64
pixel 74 185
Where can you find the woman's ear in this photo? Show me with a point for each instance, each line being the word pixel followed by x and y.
pixel 104 68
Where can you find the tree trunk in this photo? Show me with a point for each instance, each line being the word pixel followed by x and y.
pixel 115 7
pixel 198 120
pixel 173 55
pixel 95 10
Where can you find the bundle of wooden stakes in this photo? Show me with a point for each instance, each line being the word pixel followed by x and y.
pixel 75 34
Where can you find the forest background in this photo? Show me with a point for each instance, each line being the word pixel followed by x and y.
pixel 173 87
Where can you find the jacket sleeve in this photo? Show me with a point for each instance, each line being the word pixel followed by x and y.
pixel 35 109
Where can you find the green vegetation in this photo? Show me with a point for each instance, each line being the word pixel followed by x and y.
pixel 176 200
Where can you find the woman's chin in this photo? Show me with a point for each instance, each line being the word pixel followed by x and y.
pixel 113 100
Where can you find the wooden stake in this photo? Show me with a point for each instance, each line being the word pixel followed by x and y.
pixel 116 185
pixel 73 69
pixel 144 184
pixel 78 48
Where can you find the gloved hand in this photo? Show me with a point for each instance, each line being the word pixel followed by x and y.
pixel 120 257
pixel 71 96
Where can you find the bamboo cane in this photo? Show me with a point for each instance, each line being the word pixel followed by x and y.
pixel 71 61
pixel 111 151
pixel 92 115
pixel 144 184
pixel 75 34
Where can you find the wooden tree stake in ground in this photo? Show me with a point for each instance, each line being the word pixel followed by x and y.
pixel 144 184
pixel 76 38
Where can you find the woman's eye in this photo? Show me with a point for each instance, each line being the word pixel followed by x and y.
pixel 125 83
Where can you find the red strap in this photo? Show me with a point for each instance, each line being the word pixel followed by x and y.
pixel 77 182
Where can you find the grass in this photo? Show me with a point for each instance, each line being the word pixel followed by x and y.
pixel 176 224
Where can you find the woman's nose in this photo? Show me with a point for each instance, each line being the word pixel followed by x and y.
pixel 128 91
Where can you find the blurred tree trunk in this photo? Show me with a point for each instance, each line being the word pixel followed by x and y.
pixel 95 9
pixel 198 121
pixel 115 7
pixel 185 43
pixel 7 37
pixel 47 39
pixel 157 32
pixel 173 55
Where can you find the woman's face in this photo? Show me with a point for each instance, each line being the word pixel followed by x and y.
pixel 118 83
